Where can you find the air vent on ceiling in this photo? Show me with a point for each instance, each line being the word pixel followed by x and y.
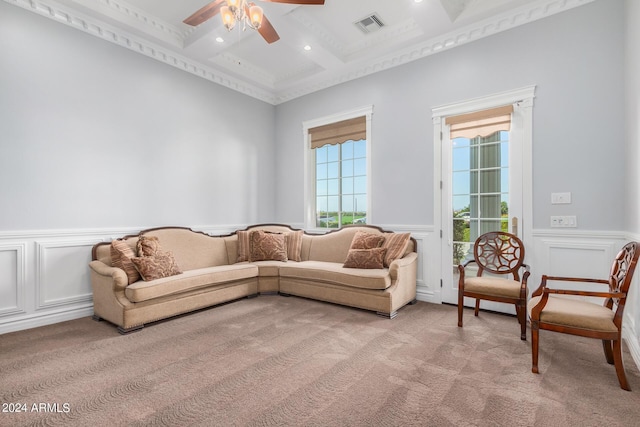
pixel 370 24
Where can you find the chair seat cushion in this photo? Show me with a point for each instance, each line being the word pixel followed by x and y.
pixel 492 286
pixel 575 313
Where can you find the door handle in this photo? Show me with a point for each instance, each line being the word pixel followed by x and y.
pixel 514 225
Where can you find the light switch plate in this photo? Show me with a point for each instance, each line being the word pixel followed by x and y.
pixel 564 221
pixel 560 198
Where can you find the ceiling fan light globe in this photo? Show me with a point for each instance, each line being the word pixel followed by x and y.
pixel 234 4
pixel 256 14
pixel 228 18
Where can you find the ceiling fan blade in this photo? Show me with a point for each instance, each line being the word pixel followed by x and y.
pixel 205 13
pixel 296 1
pixel 267 31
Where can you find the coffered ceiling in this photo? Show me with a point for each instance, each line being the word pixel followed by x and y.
pixel 339 48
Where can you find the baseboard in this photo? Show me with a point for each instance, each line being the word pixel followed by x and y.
pixel 43 319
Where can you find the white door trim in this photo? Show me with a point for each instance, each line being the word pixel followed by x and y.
pixel 523 98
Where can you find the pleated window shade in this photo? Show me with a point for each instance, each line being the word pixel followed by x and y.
pixel 336 133
pixel 480 123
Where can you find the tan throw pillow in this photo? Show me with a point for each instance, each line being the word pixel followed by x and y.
pixel 396 245
pixel 364 240
pixel 163 264
pixel 365 258
pixel 121 255
pixel 147 245
pixel 294 245
pixel 243 246
pixel 267 246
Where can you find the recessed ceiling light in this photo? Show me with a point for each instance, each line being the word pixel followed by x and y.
pixel 219 39
pixel 307 47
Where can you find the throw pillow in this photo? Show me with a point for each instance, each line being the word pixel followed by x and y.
pixel 243 246
pixel 365 258
pixel 267 246
pixel 294 245
pixel 163 264
pixel 364 240
pixel 121 255
pixel 396 245
pixel 147 245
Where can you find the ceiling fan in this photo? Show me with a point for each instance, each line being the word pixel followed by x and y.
pixel 248 13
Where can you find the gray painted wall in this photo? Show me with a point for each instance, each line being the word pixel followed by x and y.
pixel 93 135
pixel 576 60
pixel 632 68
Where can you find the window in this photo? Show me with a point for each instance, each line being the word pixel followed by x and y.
pixel 337 176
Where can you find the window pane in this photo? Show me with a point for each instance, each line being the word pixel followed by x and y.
pixel 321 171
pixel 347 168
pixel 347 186
pixel 461 182
pixel 333 188
pixel 333 170
pixel 347 205
pixel 360 167
pixel 333 153
pixel 321 187
pixel 360 185
pixel 347 150
pixel 321 154
pixel 360 148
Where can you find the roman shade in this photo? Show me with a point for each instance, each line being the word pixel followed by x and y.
pixel 480 123
pixel 336 133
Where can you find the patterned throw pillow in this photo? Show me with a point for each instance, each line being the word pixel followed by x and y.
pixel 365 258
pixel 267 246
pixel 294 245
pixel 147 245
pixel 163 264
pixel 121 255
pixel 243 246
pixel 396 245
pixel 364 240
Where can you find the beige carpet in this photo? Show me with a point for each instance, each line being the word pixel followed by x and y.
pixel 277 361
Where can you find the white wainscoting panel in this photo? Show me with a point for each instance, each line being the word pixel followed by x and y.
pixel 12 278
pixel 62 272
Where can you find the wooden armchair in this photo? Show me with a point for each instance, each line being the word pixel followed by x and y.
pixel 552 312
pixel 502 255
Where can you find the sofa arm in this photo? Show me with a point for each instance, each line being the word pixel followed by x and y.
pixel 401 264
pixel 117 275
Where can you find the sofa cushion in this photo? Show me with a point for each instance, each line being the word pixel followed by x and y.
pixel 294 245
pixel 121 255
pixel 365 258
pixel 267 246
pixel 189 280
pixel 148 245
pixel 331 272
pixel 244 250
pixel 396 245
pixel 162 264
pixel 364 240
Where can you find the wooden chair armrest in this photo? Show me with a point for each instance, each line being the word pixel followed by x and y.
pixel 584 293
pixel 543 282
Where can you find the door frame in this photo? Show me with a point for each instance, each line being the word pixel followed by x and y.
pixel 522 129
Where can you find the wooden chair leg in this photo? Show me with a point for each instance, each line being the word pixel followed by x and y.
pixel 460 312
pixel 477 307
pixel 534 348
pixel 617 358
pixel 608 351
pixel 523 322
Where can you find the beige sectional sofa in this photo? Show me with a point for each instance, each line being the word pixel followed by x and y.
pixel 203 270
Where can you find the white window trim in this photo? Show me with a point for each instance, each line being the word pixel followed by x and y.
pixel 310 167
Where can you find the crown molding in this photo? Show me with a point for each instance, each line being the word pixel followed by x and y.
pixel 67 15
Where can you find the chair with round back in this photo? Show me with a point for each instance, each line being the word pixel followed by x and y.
pixel 501 256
